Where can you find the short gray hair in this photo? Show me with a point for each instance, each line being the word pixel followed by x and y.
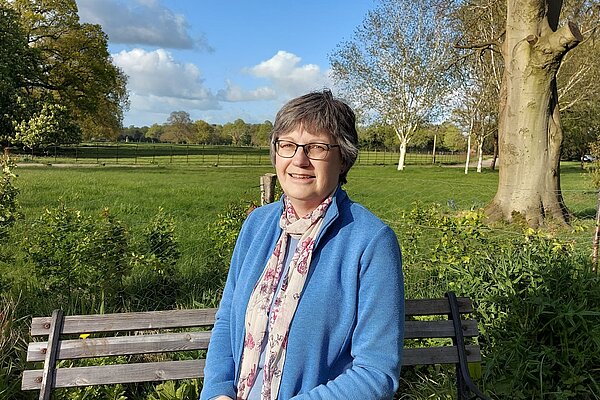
pixel 320 112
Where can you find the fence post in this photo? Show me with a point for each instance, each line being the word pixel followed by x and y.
pixel 267 188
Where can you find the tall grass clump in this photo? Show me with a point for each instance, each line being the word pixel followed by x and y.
pixel 537 301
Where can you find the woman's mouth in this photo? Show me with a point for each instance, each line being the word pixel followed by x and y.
pixel 301 176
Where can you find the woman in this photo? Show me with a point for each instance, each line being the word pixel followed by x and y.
pixel 313 307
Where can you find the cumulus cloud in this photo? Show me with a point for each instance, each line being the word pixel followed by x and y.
pixel 142 22
pixel 157 81
pixel 236 93
pixel 288 76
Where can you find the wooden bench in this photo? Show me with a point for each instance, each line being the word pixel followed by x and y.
pixel 140 334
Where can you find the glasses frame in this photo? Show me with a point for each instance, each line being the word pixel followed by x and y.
pixel 327 145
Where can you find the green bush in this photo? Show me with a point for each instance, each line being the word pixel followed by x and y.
pixel 78 259
pixel 539 308
pixel 537 302
pixel 9 210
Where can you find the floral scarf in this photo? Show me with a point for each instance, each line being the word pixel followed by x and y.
pixel 281 313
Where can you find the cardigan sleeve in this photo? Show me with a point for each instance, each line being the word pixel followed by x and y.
pixel 377 339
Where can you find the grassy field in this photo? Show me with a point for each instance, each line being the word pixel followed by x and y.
pixel 195 195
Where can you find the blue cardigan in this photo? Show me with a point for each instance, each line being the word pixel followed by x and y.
pixel 345 340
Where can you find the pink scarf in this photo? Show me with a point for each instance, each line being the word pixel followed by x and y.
pixel 278 321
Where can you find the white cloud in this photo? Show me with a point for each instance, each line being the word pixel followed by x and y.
pixel 143 22
pixel 288 77
pixel 158 83
pixel 235 93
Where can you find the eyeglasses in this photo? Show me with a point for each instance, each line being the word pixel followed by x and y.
pixel 314 151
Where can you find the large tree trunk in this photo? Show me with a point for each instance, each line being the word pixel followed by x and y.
pixel 530 133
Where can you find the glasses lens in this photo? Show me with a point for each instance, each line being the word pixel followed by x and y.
pixel 316 151
pixel 285 148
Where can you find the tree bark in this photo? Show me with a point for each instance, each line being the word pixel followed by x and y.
pixel 480 154
pixel 403 144
pixel 530 133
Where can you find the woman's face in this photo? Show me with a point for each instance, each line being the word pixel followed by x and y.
pixel 304 181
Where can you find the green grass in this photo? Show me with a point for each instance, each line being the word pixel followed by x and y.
pixel 195 195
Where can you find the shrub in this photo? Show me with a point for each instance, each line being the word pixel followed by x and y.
pixel 93 264
pixel 539 308
pixel 79 259
pixel 9 210
pixel 537 302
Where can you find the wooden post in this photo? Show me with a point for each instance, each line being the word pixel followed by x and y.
pixel 54 330
pixel 267 188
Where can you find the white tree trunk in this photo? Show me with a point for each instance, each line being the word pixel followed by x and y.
pixel 433 152
pixel 403 144
pixel 468 154
pixel 480 154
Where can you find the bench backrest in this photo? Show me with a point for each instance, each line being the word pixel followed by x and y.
pixel 148 334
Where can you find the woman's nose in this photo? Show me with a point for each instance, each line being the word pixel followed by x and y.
pixel 300 157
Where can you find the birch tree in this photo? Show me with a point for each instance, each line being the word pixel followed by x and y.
pixel 396 68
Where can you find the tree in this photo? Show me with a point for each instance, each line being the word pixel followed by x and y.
pixel 75 67
pixel 530 132
pixel 452 138
pixel 482 26
pixel 239 132
pixel 578 83
pixel 17 61
pixel 155 132
pixel 205 132
pixel 262 134
pixel 582 128
pixel 51 125
pixel 397 67
pixel 179 128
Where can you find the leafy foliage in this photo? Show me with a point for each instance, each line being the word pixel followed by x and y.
pixel 17 61
pixel 537 301
pixel 52 124
pixel 71 64
pixel 78 256
pixel 9 210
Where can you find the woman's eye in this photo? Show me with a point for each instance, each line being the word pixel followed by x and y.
pixel 317 148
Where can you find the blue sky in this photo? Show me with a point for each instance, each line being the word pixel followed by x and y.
pixel 222 60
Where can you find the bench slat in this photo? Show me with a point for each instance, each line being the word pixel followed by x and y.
pixel 438 355
pixel 188 369
pixel 438 329
pixel 414 307
pixel 198 317
pixel 113 374
pixel 122 345
pixel 40 326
